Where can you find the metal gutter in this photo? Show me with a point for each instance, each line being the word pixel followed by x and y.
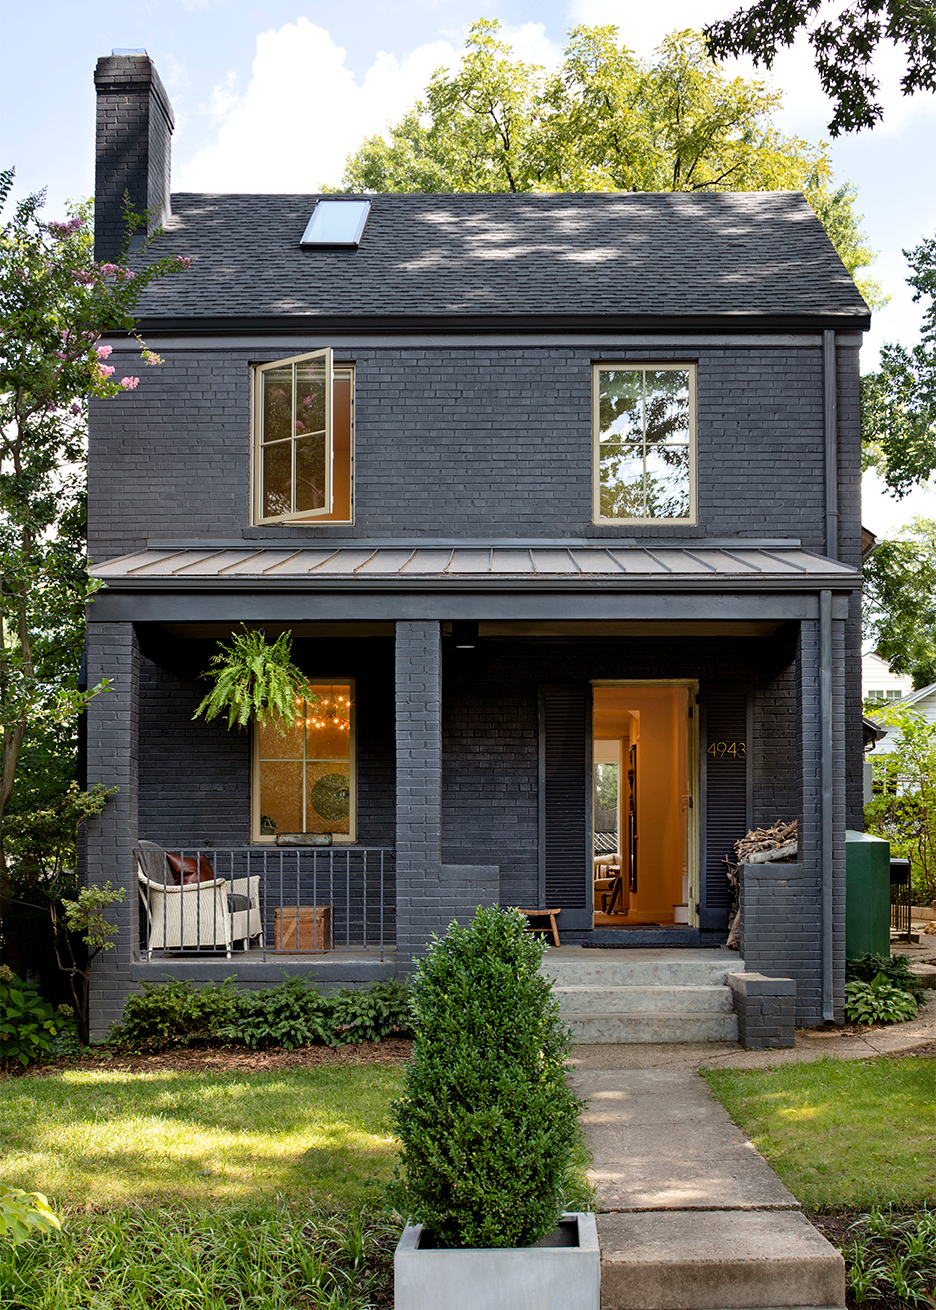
pixel 572 583
pixel 826 830
pixel 830 427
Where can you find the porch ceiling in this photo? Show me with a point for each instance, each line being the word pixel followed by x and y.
pixel 521 566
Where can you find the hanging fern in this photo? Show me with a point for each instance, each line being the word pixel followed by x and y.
pixel 254 680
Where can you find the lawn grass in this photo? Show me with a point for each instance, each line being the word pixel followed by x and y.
pixel 97 1138
pixel 842 1134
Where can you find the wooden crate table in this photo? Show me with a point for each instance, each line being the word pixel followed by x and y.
pixel 305 928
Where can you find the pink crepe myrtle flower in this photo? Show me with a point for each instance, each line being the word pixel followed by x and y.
pixel 129 384
pixel 104 352
pixel 67 228
pixel 75 408
pixel 104 371
pixel 183 261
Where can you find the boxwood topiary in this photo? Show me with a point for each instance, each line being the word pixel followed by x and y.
pixel 488 1125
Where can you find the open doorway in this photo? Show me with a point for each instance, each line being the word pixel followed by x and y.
pixel 645 849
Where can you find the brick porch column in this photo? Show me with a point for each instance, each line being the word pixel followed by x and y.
pixel 418 786
pixel 113 726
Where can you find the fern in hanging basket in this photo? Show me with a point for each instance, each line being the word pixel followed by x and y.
pixel 256 680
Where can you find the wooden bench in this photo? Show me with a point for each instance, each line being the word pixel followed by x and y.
pixel 544 914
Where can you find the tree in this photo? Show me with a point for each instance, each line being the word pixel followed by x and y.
pixel 900 601
pixel 898 401
pixel 604 121
pixel 844 44
pixel 56 303
pixel 903 809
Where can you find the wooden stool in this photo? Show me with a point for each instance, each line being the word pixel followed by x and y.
pixel 544 914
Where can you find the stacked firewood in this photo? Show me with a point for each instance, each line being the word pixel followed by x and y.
pixel 759 846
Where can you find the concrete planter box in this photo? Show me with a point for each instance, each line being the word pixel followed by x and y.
pixel 562 1272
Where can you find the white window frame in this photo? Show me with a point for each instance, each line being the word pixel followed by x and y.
pixel 257 443
pixel 348 838
pixel 634 366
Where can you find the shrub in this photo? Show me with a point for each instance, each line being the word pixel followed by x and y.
pixel 28 1023
pixel 488 1125
pixel 293 1014
pixel 290 1015
pixel 878 1002
pixel 372 1014
pixel 176 1014
pixel 895 968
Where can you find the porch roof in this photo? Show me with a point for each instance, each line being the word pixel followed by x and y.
pixel 461 565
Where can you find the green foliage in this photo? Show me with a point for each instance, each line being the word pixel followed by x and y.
pixel 56 303
pixel 290 1015
pixel 898 402
pixel 891 1256
pixel 488 1125
pixel 256 680
pixel 276 1253
pixel 878 1001
pixel 844 42
pixel 895 968
pixel 28 1023
pixel 899 614
pixel 23 1214
pixel 903 809
pixel 605 121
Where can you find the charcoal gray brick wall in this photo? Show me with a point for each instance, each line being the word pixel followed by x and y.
pixel 766 1010
pixel 113 760
pixel 493 441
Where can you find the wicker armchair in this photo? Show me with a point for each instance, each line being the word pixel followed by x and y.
pixel 196 915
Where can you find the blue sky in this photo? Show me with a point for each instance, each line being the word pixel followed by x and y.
pixel 272 96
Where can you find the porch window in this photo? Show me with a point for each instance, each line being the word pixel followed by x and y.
pixel 304 781
pixel 644 443
pixel 302 440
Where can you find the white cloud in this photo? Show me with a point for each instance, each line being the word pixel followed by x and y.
pixel 303 112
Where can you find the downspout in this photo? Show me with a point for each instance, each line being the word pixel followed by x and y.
pixel 830 433
pixel 830 430
pixel 825 813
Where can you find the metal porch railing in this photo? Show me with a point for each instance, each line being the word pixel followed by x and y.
pixel 267 901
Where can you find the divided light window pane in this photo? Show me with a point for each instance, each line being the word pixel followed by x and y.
pixel 644 443
pixel 305 776
pixel 295 446
pixel 336 223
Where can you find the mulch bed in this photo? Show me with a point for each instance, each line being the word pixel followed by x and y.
pixel 230 1059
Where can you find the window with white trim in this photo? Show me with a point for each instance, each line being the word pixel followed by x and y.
pixel 303 423
pixel 644 443
pixel 304 781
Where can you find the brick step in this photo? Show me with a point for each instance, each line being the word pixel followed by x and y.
pixel 717 1260
pixel 585 1000
pixel 697 1026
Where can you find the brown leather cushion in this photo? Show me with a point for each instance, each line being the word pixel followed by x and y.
pixel 190 869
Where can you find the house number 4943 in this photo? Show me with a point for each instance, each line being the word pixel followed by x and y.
pixel 735 748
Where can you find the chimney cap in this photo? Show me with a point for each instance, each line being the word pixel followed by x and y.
pixel 121 51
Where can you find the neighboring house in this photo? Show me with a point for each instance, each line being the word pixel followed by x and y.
pixel 877 681
pixel 548 488
pixel 922 701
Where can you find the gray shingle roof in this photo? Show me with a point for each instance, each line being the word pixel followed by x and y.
pixel 646 256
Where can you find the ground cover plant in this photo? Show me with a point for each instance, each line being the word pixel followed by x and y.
pixel 842 1134
pixel 293 1014
pixel 101 1137
pixel 270 1255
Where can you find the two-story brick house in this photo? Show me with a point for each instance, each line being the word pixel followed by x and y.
pixel 558 496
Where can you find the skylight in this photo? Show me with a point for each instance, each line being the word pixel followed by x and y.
pixel 336 224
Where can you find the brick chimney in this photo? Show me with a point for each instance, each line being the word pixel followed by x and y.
pixel 134 137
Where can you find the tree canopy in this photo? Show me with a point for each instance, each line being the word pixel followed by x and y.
pixel 898 402
pixel 843 43
pixel 604 121
pixel 900 601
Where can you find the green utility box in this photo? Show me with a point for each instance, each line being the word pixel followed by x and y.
pixel 867 895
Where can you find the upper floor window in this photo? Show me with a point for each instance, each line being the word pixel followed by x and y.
pixel 303 440
pixel 644 443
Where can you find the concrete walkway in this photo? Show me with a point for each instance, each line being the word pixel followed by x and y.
pixel 691 1217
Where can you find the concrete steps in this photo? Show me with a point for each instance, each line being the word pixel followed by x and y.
pixel 645 995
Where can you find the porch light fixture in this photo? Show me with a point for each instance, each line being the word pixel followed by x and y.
pixel 335 225
pixel 465 634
